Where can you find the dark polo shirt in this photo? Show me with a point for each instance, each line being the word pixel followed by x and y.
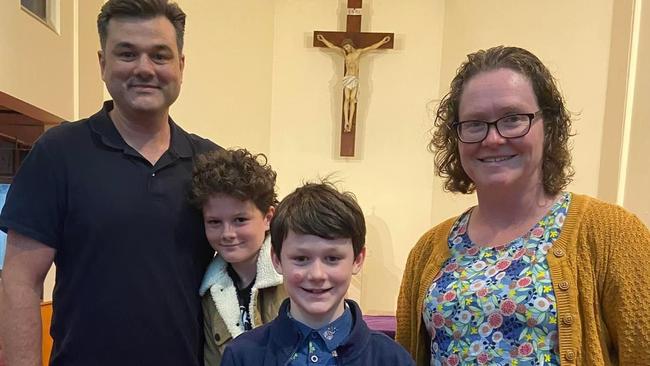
pixel 130 250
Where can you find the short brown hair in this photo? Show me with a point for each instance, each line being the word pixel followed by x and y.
pixel 145 9
pixel 236 173
pixel 319 209
pixel 556 162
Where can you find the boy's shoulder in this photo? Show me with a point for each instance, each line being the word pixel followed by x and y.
pixel 367 346
pixel 252 347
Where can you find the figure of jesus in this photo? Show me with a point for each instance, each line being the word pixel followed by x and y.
pixel 351 77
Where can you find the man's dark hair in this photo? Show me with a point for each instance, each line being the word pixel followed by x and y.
pixel 145 9
pixel 236 173
pixel 319 209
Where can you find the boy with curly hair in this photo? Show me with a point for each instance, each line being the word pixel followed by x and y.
pixel 235 190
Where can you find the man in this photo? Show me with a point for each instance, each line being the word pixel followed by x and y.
pixel 351 77
pixel 105 199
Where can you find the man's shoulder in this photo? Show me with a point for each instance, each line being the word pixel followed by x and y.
pixel 202 144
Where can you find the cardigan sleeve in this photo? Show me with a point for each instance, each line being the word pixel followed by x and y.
pixel 626 284
pixel 406 303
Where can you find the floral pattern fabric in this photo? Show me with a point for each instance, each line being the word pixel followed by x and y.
pixel 496 305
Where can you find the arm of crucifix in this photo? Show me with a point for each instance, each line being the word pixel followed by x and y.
pixel 327 43
pixel 374 46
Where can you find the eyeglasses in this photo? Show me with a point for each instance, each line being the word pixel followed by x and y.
pixel 508 127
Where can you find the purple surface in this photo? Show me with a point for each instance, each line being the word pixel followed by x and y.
pixel 384 324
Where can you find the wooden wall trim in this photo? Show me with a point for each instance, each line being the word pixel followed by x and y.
pixel 29 110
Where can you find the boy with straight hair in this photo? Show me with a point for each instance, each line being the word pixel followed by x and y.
pixel 318 237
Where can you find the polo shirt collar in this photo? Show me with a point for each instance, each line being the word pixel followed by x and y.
pixel 102 125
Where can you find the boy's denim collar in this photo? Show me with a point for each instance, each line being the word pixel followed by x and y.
pixel 333 334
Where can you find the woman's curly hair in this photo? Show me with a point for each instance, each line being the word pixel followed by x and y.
pixel 236 173
pixel 556 165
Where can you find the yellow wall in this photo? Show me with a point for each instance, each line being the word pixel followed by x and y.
pixel 391 174
pixel 227 81
pixel 35 57
pixel 637 174
pixel 253 79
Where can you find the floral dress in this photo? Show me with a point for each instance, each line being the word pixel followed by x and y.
pixel 496 305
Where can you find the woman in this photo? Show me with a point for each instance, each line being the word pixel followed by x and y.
pixel 532 275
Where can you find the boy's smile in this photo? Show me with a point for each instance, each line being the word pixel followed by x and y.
pixel 317 273
pixel 236 230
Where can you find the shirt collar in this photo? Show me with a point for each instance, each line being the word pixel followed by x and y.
pixel 333 334
pixel 103 126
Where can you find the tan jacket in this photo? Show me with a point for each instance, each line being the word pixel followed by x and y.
pixel 600 269
pixel 221 316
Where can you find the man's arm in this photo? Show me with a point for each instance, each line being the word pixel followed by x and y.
pixel 328 43
pixel 376 45
pixel 26 264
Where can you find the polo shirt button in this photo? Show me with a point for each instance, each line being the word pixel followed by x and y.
pixel 558 252
pixel 567 320
pixel 314 358
pixel 564 285
pixel 153 174
pixel 217 337
pixel 570 355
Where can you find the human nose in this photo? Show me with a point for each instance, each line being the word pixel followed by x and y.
pixel 316 271
pixel 228 232
pixel 144 66
pixel 493 136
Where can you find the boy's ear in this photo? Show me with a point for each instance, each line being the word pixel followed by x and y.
pixel 276 262
pixel 358 261
pixel 268 216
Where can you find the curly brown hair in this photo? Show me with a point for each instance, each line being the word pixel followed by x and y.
pixel 236 173
pixel 145 9
pixel 556 165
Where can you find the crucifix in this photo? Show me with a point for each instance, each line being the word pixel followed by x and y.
pixel 352 43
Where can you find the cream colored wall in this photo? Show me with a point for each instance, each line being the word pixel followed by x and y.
pixel 572 38
pixel 391 174
pixel 35 57
pixel 637 177
pixel 226 91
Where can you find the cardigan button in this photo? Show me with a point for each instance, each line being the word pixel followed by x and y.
pixel 570 355
pixel 564 285
pixel 567 320
pixel 217 337
pixel 558 252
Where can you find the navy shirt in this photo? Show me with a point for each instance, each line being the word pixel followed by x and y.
pixel 130 250
pixel 318 346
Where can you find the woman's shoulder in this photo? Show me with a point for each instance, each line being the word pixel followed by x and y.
pixel 593 211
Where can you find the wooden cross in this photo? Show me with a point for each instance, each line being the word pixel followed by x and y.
pixel 362 41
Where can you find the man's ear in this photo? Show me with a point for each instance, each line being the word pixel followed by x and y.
pixel 276 262
pixel 181 62
pixel 102 61
pixel 358 261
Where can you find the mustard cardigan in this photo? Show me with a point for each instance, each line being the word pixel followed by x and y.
pixel 600 269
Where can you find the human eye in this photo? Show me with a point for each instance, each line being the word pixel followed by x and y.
pixel 161 57
pixel 212 222
pixel 300 259
pixel 472 126
pixel 126 55
pixel 241 219
pixel 332 259
pixel 512 119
